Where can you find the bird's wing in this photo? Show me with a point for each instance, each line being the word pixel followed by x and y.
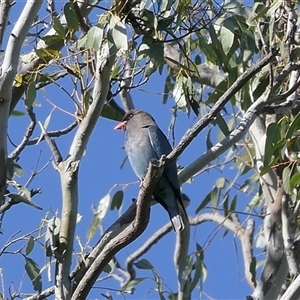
pixel 161 146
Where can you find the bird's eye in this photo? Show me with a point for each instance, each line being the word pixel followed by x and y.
pixel 130 116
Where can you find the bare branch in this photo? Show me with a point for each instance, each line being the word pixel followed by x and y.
pixel 52 145
pixel 126 84
pixel 27 135
pixel 43 295
pixel 56 133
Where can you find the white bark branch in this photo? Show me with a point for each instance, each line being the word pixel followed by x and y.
pixel 7 76
pixel 69 170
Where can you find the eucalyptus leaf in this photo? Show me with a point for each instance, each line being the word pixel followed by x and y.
pixel 117 200
pixel 30 95
pixel 144 264
pixel 133 283
pixel 71 17
pixel 33 271
pixel 93 38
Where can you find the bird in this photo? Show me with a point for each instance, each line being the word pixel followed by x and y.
pixel 144 141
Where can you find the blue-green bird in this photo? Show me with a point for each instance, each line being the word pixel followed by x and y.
pixel 144 141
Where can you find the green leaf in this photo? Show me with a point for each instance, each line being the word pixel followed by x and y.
pixel 204 203
pixel 110 113
pixel 214 197
pixel 295 125
pixel 17 113
pixel 30 245
pixel 94 38
pixel 60 30
pixel 225 205
pixel 33 271
pixel 222 124
pixel 30 95
pixel 208 49
pixel 164 23
pixel 221 57
pixel 227 39
pixel 200 251
pixel 286 176
pixel 99 215
pixel 80 43
pixel 51 40
pixel 184 270
pixel 133 283
pixel 144 264
pixel 13 169
pixel 117 200
pixel 295 180
pixel 53 230
pixel 115 71
pixel 71 17
pixel 273 144
pixel 198 266
pixel 46 53
pixel 119 36
pixel 209 144
pixel 233 203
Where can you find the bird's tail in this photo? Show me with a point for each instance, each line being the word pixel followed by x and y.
pixel 176 219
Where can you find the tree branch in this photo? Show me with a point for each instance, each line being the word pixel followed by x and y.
pixel 68 169
pixel 191 134
pixel 125 230
pixel 27 135
pixel 203 75
pixel 5 6
pixel 8 72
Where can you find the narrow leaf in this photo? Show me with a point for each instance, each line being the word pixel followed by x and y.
pixel 295 125
pixel 295 180
pixel 110 113
pixel 133 283
pixel 117 200
pixel 197 274
pixel 144 264
pixel 286 176
pixel 30 245
pixel 204 202
pixel 30 95
pixel 71 17
pixel 58 27
pixel 33 271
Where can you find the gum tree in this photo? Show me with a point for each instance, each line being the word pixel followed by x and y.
pixel 234 67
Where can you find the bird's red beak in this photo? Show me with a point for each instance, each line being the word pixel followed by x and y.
pixel 120 126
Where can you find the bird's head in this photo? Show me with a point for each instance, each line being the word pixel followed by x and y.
pixel 140 117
